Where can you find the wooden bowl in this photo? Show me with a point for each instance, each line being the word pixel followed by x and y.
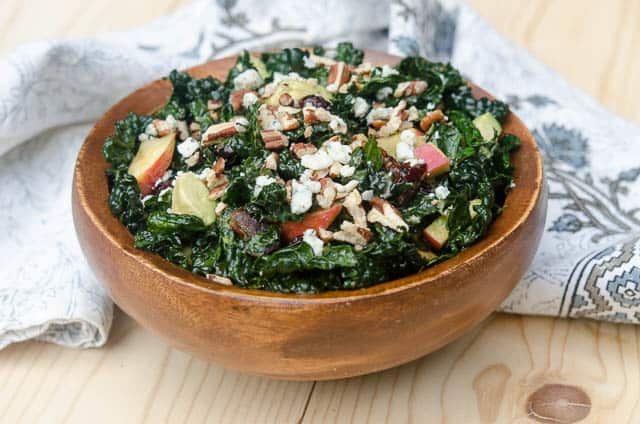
pixel 304 337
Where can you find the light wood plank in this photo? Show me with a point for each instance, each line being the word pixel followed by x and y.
pixel 136 378
pixel 489 374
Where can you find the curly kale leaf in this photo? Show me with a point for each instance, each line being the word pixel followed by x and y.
pixel 125 202
pixel 288 166
pixel 121 147
pixel 347 53
pixel 190 96
pixel 169 246
pixel 462 99
pixel 164 222
pixel 300 258
pixel 271 205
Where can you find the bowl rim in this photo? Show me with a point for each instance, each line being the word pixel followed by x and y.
pixel 517 201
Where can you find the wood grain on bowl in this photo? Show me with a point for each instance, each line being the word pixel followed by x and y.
pixel 325 336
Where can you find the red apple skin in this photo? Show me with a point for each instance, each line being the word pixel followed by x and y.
pixel 437 233
pixel 315 220
pixel 152 160
pixel 436 161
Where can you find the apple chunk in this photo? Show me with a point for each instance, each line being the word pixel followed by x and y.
pixel 437 233
pixel 191 197
pixel 315 220
pixel 435 161
pixel 152 160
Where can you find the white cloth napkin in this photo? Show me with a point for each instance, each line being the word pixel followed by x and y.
pixel 50 92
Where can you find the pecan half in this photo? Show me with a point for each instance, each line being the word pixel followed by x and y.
pixel 431 118
pixel 302 149
pixel 338 75
pixel 410 88
pixel 215 133
pixel 274 140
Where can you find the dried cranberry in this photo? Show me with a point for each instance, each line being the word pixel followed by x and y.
pixel 413 173
pixel 315 101
pixel 244 224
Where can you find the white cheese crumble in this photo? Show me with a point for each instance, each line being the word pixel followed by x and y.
pixel 387 71
pixel 301 197
pixel 367 195
pixel 247 80
pixel 240 123
pixel 249 99
pixel 309 62
pixel 309 236
pixel 316 161
pixel 337 151
pixel 261 182
pixel 346 188
pixel 360 107
pixel 442 192
pixel 404 148
pixel 347 170
pixel 188 147
pixel 171 121
pixel 383 93
pixel 379 113
pixel 337 125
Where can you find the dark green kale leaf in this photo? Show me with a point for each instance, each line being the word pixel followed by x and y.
pixel 462 99
pixel 422 206
pixel 347 53
pixel 167 223
pixel 288 166
pixel 264 242
pixel 121 147
pixel 286 61
pixel 300 258
pixel 125 202
pixel 167 245
pixel 271 205
pixel 373 153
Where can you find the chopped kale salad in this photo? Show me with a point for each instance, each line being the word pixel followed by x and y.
pixel 308 171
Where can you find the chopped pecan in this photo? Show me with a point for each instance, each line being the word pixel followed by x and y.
pixel 271 162
pixel 194 128
pixel 218 192
pixel 219 279
pixel 308 132
pixel 286 100
pixel 353 205
pixel 236 98
pixel 302 149
pixel 327 193
pixel 220 207
pixel 364 68
pixel 410 88
pixel 215 133
pixel 431 118
pixel 338 75
pixel 313 115
pixel 274 140
pixel 325 235
pixel 353 234
pixel 287 121
pixel 162 127
pixel 358 140
pixel 384 213
pixel 218 166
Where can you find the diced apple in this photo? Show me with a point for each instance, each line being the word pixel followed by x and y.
pixel 152 160
pixel 427 255
pixel 472 204
pixel 191 197
pixel 437 233
pixel 436 161
pixel 315 220
pixel 488 126
pixel 389 143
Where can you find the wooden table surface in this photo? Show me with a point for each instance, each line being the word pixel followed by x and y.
pixel 487 376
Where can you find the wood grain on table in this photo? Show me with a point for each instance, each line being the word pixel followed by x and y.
pixel 487 376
